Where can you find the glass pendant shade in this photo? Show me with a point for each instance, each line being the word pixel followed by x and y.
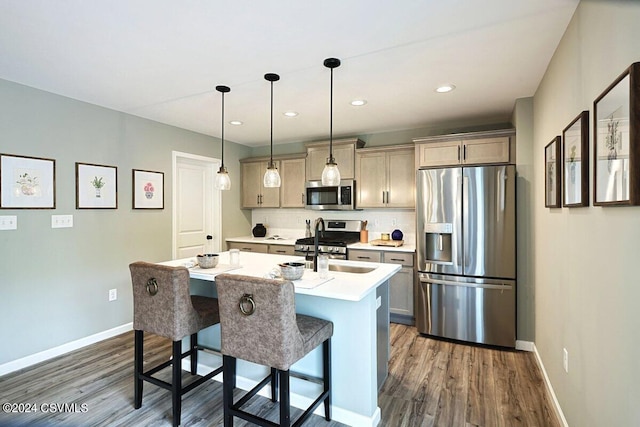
pixel 223 182
pixel 271 177
pixel 331 175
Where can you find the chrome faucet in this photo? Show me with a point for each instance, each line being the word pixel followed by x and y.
pixel 319 222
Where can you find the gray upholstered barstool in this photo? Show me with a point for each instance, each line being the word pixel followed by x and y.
pixel 258 323
pixel 162 305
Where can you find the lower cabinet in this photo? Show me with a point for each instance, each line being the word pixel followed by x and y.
pixel 281 249
pixel 249 247
pixel 262 248
pixel 401 285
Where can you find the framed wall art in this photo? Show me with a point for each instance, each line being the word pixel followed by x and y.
pixel 616 140
pixel 27 182
pixel 96 186
pixel 148 189
pixel 575 162
pixel 552 181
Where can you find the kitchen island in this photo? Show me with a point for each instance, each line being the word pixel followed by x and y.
pixel 357 304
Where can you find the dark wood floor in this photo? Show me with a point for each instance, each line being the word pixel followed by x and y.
pixel 431 383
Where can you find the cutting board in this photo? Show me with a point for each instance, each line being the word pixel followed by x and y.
pixel 380 242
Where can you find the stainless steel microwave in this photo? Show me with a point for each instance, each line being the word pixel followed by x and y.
pixel 340 198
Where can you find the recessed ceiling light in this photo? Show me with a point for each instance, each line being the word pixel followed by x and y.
pixel 290 113
pixel 235 122
pixel 445 88
pixel 358 102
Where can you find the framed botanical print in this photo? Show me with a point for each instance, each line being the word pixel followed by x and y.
pixel 148 189
pixel 552 184
pixel 27 182
pixel 575 162
pixel 96 186
pixel 616 135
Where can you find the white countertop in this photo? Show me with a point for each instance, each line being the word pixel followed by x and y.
pixel 267 240
pixel 288 240
pixel 342 286
pixel 369 247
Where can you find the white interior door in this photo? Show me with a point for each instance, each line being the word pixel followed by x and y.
pixel 196 204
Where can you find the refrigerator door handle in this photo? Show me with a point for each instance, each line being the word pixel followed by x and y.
pixel 465 222
pixel 499 286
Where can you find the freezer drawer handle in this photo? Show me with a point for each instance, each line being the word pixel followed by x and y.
pixel 503 286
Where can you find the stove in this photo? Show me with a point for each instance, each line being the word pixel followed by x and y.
pixel 333 242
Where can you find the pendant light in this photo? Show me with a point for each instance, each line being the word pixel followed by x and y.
pixel 223 182
pixel 271 176
pixel 331 174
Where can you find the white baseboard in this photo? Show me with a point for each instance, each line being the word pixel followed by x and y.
pixel 27 361
pixel 299 401
pixel 525 345
pixel 547 382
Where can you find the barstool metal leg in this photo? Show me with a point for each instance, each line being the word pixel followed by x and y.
pixel 137 368
pixel 193 353
pixel 228 384
pixel 326 377
pixel 285 404
pixel 176 382
pixel 274 385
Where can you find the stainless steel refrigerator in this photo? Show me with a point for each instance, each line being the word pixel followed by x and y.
pixel 467 254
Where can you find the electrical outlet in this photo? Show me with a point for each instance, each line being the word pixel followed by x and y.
pixel 394 222
pixel 113 294
pixel 565 360
pixel 8 222
pixel 61 221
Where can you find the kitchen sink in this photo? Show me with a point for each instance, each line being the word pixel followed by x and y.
pixel 350 269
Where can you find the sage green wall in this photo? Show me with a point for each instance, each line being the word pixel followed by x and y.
pixel 586 259
pixel 54 282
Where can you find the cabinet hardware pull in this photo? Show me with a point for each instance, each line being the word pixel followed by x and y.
pixel 397 259
pixel 458 153
pixel 302 199
pixel 464 152
pixel 364 257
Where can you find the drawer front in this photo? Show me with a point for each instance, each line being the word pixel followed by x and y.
pixel 368 256
pixel 404 258
pixel 249 247
pixel 281 249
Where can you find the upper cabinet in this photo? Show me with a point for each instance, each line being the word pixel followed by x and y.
pixel 466 149
pixel 292 177
pixel 292 174
pixel 385 177
pixel 254 193
pixel 343 152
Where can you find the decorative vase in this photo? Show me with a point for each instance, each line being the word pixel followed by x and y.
pixel 397 235
pixel 259 230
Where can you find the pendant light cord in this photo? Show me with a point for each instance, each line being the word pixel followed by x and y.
pixel 271 155
pixel 331 159
pixel 222 149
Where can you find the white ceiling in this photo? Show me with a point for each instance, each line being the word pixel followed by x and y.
pixel 161 59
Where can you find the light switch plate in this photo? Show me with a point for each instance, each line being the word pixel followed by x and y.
pixel 61 221
pixel 8 222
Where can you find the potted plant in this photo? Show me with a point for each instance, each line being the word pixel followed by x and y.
pixel 97 183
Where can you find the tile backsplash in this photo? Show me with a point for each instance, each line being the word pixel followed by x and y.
pixel 290 223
